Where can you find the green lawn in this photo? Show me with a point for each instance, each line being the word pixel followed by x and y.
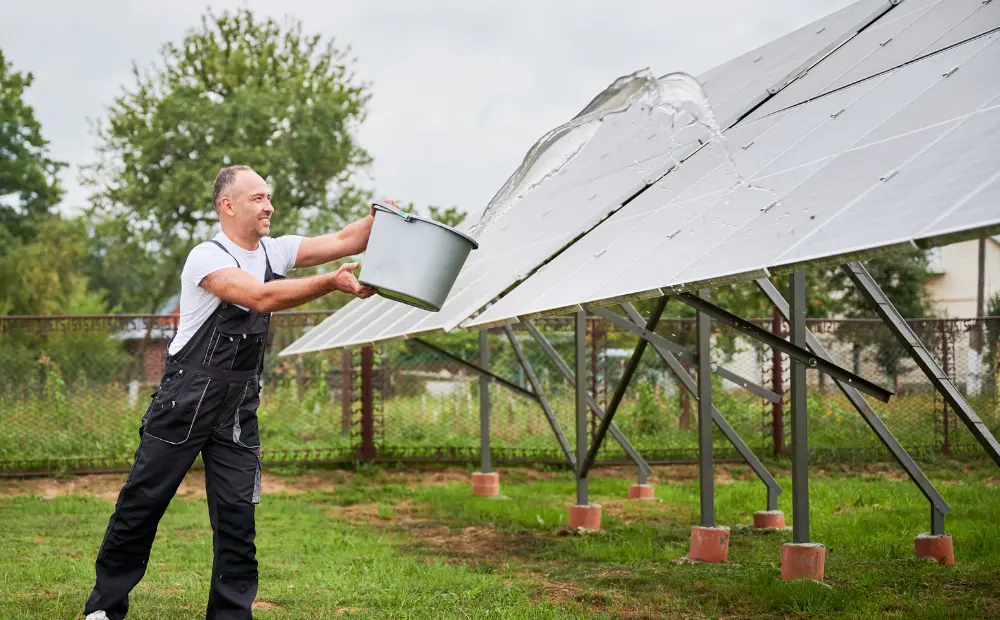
pixel 390 543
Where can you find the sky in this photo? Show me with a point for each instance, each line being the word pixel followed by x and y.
pixel 460 89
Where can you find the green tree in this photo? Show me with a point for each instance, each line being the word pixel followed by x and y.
pixel 237 89
pixel 450 216
pixel 902 275
pixel 29 184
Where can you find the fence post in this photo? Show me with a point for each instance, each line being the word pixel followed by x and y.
pixel 367 405
pixel 778 387
pixel 346 390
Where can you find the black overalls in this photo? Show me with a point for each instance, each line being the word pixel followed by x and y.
pixel 206 403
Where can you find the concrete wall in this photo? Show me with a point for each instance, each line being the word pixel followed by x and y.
pixel 954 288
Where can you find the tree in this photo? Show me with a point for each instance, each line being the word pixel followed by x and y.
pixel 29 184
pixel 450 216
pixel 238 89
pixel 902 275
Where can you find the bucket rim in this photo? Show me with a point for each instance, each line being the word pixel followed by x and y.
pixel 414 216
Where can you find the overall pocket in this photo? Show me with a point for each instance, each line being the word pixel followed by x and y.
pixel 246 431
pixel 175 408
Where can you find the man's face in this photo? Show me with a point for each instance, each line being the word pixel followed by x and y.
pixel 251 203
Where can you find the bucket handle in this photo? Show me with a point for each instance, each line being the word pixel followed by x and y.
pixel 379 206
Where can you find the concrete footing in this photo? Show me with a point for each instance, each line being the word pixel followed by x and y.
pixel 936 547
pixel 709 544
pixel 641 491
pixel 769 520
pixel 587 517
pixel 486 485
pixel 802 561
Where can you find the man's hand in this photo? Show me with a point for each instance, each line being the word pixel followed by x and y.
pixel 344 281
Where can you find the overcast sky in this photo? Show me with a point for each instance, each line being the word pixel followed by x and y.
pixel 461 88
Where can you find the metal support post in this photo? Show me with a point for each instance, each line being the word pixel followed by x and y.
pixel 630 368
pixel 536 385
pixel 581 406
pixel 476 369
pixel 688 383
pixel 682 352
pixel 795 352
pixel 800 414
pixel 706 481
pixel 644 469
pixel 484 403
pixel 939 507
pixel 685 379
pixel 898 326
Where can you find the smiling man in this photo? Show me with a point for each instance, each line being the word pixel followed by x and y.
pixel 207 399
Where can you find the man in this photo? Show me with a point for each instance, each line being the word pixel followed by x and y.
pixel 208 396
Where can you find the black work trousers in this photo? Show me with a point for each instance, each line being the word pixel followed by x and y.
pixel 191 413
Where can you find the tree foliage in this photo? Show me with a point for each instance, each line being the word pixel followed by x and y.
pixel 29 184
pixel 236 90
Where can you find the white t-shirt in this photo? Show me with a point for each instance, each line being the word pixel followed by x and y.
pixel 197 304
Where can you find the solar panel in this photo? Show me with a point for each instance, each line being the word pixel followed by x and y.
pixel 871 165
pixel 909 31
pixel 629 151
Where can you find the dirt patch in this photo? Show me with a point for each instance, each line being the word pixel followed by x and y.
pixel 264 606
pixel 403 514
pixel 631 511
pixel 475 541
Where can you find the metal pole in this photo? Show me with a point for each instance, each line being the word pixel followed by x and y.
pixel 569 375
pixel 939 506
pixel 536 385
pixel 788 348
pixel 476 369
pixel 977 335
pixel 800 444
pixel 705 470
pixel 633 364
pixel 581 406
pixel 484 403
pixel 892 319
pixel 684 377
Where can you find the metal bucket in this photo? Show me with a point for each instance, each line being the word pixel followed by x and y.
pixel 413 260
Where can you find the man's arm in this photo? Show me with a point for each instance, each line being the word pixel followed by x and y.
pixel 239 287
pixel 350 241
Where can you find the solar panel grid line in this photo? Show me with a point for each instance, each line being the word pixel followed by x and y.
pixel 336 333
pixel 814 85
pixel 611 299
pixel 940 175
pixel 883 179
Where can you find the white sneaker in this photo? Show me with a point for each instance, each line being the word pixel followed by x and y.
pixel 97 615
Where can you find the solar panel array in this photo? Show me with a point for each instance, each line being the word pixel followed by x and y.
pixel 906 156
pixel 628 152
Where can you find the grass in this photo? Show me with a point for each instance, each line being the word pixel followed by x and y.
pixel 387 543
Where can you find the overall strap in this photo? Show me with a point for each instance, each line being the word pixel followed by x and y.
pixel 268 273
pixel 228 252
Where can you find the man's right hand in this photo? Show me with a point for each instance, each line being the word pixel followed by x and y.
pixel 343 280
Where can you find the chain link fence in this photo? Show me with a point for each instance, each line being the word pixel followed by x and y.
pixel 73 389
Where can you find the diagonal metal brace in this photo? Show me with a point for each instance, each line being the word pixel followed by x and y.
pixel 536 385
pixel 898 326
pixel 598 411
pixel 662 343
pixel 789 349
pixel 616 399
pixel 476 369
pixel 773 489
pixel 867 413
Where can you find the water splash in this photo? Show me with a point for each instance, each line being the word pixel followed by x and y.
pixel 678 96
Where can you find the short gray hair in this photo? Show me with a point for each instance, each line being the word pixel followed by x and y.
pixel 224 181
